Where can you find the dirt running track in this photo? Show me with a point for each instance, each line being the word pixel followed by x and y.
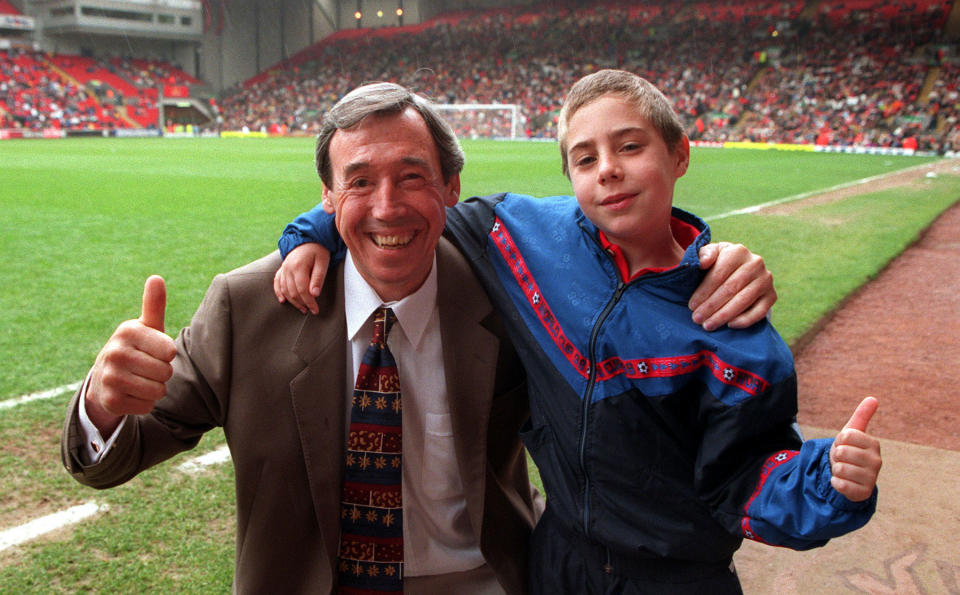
pixel 898 338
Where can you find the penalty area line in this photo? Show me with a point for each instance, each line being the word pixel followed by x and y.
pixel 214 457
pixel 803 195
pixel 46 524
pixel 39 396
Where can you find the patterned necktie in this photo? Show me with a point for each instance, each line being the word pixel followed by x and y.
pixel 371 510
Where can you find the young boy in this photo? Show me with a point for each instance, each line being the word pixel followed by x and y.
pixel 661 446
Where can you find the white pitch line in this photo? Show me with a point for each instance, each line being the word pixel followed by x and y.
pixel 51 522
pixel 71 516
pixel 38 396
pixel 802 195
pixel 214 457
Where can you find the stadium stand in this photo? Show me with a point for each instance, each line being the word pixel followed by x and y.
pixel 36 97
pixel 836 71
pixel 69 92
pixel 839 72
pixel 7 8
pixel 871 13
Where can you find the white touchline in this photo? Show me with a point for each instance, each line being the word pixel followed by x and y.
pixel 51 522
pixel 44 394
pixel 214 457
pixel 802 195
pixel 57 520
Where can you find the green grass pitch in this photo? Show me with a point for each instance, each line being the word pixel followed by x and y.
pixel 85 221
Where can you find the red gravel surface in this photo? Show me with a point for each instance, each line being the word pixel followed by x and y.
pixel 898 339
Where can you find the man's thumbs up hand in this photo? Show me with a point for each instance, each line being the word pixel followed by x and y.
pixel 855 455
pixel 154 302
pixel 132 369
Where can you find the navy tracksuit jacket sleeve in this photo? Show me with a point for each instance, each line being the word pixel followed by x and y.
pixel 316 225
pixel 763 482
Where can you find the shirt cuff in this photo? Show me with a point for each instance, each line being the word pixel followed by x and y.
pixel 94 445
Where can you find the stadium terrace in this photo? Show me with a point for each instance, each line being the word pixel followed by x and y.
pixel 820 73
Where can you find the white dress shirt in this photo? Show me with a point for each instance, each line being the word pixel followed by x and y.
pixel 437 536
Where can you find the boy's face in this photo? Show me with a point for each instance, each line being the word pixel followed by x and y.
pixel 622 171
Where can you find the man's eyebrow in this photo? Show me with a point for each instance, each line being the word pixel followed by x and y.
pixel 352 168
pixel 419 162
pixel 356 166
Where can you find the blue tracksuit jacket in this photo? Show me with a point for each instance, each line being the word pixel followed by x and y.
pixel 653 437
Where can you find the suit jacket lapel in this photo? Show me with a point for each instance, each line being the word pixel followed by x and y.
pixel 470 355
pixel 319 405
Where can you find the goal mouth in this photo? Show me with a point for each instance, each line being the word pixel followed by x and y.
pixel 482 120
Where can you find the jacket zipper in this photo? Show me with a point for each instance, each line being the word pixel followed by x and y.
pixel 592 379
pixel 587 396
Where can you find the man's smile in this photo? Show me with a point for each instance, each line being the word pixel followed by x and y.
pixel 394 240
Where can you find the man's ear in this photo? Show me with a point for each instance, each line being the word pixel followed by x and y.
pixel 327 201
pixel 453 191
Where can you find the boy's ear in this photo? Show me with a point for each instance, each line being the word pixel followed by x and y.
pixel 327 201
pixel 683 156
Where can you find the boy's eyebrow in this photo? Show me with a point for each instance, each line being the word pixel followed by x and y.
pixel 616 134
pixel 630 129
pixel 582 144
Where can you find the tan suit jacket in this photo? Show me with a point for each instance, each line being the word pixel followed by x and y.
pixel 274 379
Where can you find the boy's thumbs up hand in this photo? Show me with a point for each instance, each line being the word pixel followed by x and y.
pixel 132 369
pixel 855 455
pixel 861 417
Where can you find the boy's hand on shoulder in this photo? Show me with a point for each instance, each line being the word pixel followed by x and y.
pixel 737 289
pixel 855 455
pixel 301 275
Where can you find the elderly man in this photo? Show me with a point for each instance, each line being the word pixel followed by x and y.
pixel 291 391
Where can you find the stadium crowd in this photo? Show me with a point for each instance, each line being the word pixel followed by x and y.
pixel 837 72
pixel 40 91
pixel 34 96
pixel 755 70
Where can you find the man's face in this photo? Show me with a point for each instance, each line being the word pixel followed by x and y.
pixel 623 174
pixel 389 198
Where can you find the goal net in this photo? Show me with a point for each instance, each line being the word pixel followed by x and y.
pixel 483 120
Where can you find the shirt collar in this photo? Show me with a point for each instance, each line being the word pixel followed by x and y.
pixel 683 232
pixel 413 312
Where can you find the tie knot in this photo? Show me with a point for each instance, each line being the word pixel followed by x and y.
pixel 383 320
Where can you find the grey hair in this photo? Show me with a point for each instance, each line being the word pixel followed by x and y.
pixel 386 98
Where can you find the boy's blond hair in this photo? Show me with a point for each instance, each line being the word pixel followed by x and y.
pixel 649 101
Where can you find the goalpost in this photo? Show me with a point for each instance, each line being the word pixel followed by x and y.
pixel 483 120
